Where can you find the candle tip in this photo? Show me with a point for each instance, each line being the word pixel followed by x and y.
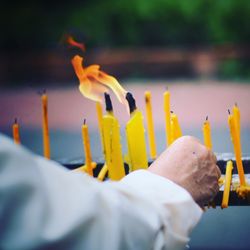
pixel 206 117
pixel 147 96
pixel 228 111
pixel 236 104
pixel 109 106
pixel 171 111
pixel 166 88
pixel 84 121
pixel 15 120
pixel 131 102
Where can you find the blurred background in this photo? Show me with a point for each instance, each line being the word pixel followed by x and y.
pixel 161 38
pixel 199 49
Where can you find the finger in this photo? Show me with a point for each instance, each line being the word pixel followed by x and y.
pixel 213 156
pixel 213 191
pixel 217 169
pixel 216 189
pixel 192 138
pixel 197 140
pixel 203 152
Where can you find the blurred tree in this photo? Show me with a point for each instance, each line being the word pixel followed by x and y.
pixel 127 23
pixel 37 25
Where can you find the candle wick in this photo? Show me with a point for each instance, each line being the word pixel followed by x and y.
pixel 131 102
pixel 15 120
pixel 236 104
pixel 109 106
pixel 84 121
pixel 44 91
pixel 147 96
pixel 166 88
pixel 206 117
pixel 229 111
pixel 171 111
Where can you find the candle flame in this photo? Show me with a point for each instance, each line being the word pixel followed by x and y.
pixel 94 82
pixel 71 41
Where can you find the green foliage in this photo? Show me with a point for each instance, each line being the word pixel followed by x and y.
pixel 129 23
pixel 234 69
pixel 163 22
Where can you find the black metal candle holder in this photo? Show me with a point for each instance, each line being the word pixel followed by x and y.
pixel 234 200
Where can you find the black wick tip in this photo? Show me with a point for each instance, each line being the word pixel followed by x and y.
pixel 84 121
pixel 171 111
pixel 15 120
pixel 228 111
pixel 236 104
pixel 131 102
pixel 109 106
pixel 206 117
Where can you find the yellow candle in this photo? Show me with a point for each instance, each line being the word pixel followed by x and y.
pixel 15 130
pixel 207 134
pixel 236 115
pixel 175 129
pixel 208 138
pixel 167 116
pixel 99 117
pixel 151 133
pixel 46 142
pixel 237 149
pixel 113 148
pixel 102 173
pixel 135 134
pixel 86 146
pixel 228 179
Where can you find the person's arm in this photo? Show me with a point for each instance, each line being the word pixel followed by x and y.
pixel 43 205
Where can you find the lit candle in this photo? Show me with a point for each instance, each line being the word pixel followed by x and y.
pixel 135 134
pixel 86 146
pixel 15 130
pixel 175 128
pixel 167 115
pixel 228 179
pixel 237 148
pixel 112 145
pixel 207 134
pixel 151 133
pixel 99 118
pixel 46 143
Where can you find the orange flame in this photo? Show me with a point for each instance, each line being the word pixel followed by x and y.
pixel 94 82
pixel 71 41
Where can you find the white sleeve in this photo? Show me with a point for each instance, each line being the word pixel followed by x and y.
pixel 44 205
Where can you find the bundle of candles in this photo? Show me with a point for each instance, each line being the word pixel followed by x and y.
pixel 136 158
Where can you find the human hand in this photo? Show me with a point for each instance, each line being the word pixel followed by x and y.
pixel 191 165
